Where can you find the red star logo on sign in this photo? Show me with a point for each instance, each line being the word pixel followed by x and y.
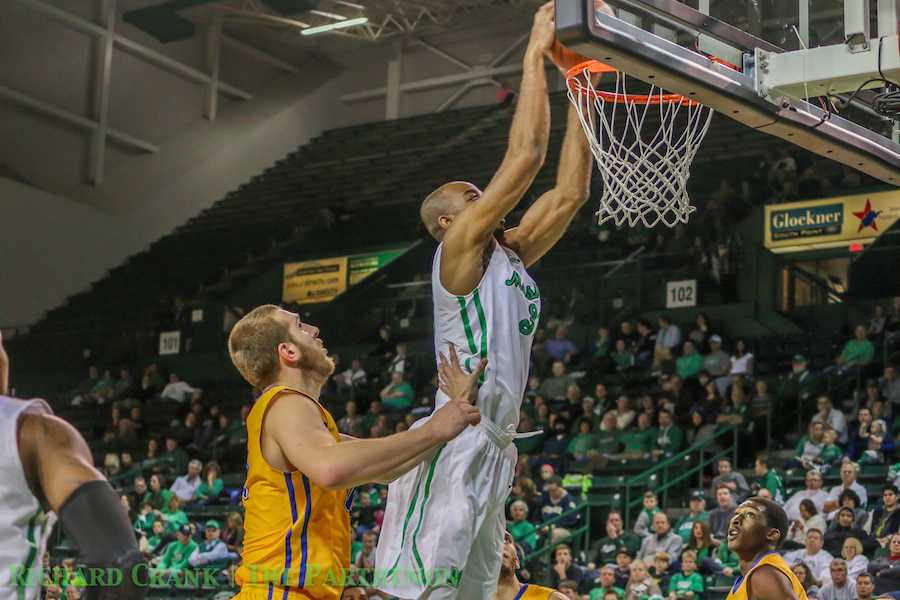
pixel 867 217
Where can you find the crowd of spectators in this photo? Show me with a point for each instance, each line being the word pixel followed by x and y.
pixel 636 394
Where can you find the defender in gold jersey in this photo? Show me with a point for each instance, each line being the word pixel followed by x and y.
pixel 509 587
pixel 301 470
pixel 755 531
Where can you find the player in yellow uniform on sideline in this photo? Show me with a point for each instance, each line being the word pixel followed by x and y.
pixel 754 534
pixel 301 470
pixel 509 587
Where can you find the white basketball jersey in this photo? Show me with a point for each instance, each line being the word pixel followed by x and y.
pixel 497 321
pixel 24 526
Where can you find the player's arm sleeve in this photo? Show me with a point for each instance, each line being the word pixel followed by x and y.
pixel 58 463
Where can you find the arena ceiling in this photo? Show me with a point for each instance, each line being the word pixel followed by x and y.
pixel 386 18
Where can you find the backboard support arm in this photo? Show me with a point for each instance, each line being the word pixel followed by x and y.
pixel 660 62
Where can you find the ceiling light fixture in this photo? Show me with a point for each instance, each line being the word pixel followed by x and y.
pixel 329 15
pixel 336 25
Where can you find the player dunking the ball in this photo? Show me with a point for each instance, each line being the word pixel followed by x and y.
pixel 444 521
pixel 754 534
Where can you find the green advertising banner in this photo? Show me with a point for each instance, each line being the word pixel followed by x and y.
pixel 363 265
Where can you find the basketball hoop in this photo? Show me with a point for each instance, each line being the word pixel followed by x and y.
pixel 645 173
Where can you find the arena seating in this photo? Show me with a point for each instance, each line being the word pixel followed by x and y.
pixel 357 188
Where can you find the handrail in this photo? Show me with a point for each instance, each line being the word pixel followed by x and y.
pixel 582 530
pixel 634 480
pixel 666 484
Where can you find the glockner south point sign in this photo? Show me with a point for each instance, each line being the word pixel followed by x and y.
pixel 830 223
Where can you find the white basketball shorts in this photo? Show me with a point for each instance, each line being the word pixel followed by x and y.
pixel 442 536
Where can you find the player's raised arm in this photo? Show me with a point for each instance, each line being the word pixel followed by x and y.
pixel 296 426
pixel 545 222
pixel 528 138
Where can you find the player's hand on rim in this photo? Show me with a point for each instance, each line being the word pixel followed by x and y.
pixel 543 32
pixel 455 382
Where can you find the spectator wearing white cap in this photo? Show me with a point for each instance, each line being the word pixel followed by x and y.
pixel 718 364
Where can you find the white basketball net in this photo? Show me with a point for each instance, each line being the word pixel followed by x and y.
pixel 645 173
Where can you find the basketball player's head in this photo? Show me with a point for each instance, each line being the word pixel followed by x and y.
pixel 509 562
pixel 757 525
pixel 444 204
pixel 269 341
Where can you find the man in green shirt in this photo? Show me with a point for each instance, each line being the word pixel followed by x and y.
pixel 669 437
pixel 858 352
pixel 685 524
pixel 371 416
pixel 738 411
pixel 690 362
pixel 604 550
pixel 607 435
pixel 607 582
pixel 688 584
pixel 583 442
pixel 639 442
pixel 174 456
pixel 769 478
pixel 398 395
pixel 801 385
pixel 178 553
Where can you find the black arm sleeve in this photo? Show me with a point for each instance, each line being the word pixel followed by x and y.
pixel 94 518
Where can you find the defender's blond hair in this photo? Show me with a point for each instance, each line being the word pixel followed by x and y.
pixel 253 345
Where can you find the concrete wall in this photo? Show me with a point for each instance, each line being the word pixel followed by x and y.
pixel 58 234
pixel 59 245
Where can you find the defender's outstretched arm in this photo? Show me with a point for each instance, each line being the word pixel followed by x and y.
pixel 528 138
